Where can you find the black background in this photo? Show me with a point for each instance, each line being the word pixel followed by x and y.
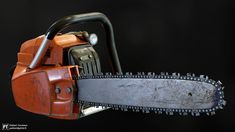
pixel 174 36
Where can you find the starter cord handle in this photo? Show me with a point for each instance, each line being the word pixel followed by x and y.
pixel 78 19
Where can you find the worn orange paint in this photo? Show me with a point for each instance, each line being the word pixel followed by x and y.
pixel 34 90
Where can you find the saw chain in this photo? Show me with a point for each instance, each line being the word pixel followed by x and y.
pixel 218 100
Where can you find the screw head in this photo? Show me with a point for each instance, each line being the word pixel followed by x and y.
pixel 68 90
pixel 57 90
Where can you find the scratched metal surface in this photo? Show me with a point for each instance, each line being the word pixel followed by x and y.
pixel 157 93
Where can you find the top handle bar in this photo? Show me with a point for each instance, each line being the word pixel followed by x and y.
pixel 78 19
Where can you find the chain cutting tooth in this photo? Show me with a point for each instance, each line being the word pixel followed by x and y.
pixel 221 107
pixel 103 107
pixel 192 113
pixel 120 73
pixel 110 73
pixel 96 106
pixel 213 82
pixel 201 76
pixel 178 74
pixel 116 108
pixel 106 74
pixel 188 74
pixel 212 113
pixel 219 82
pixel 124 109
pixel 224 102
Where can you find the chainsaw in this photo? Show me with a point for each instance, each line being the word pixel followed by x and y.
pixel 59 75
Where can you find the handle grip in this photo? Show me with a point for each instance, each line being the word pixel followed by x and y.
pixel 78 19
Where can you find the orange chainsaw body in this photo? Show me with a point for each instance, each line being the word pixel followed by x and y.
pixel 44 80
pixel 34 90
